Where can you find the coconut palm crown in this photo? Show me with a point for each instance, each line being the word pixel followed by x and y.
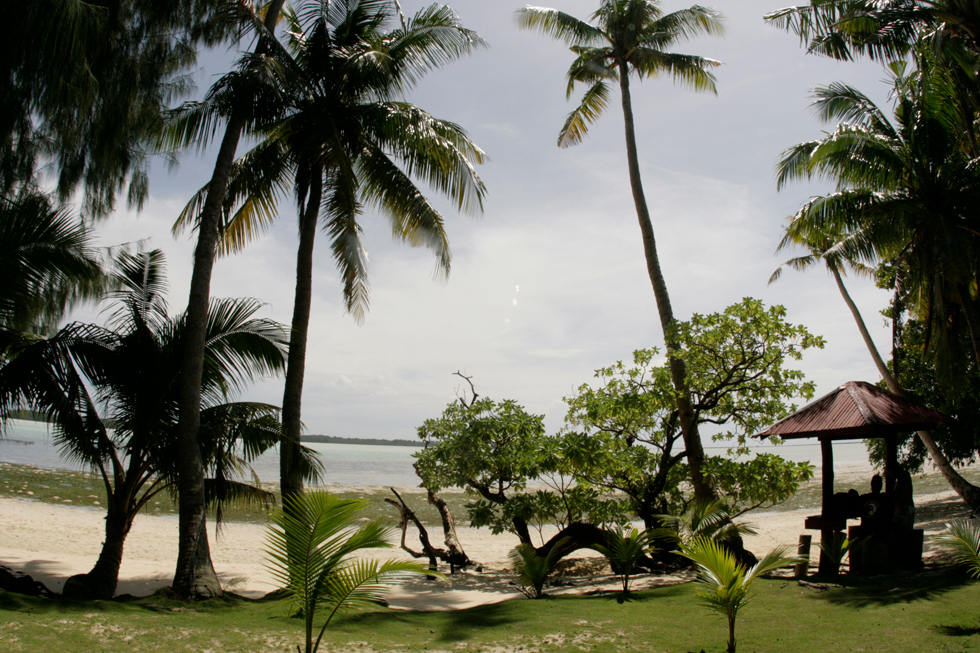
pixel 336 132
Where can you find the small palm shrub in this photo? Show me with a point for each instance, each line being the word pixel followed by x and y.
pixel 707 519
pixel 309 547
pixel 624 549
pixel 838 549
pixel 532 569
pixel 963 539
pixel 723 584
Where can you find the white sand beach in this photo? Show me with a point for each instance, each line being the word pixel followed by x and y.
pixel 52 542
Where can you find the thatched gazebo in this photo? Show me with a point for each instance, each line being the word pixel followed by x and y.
pixel 853 410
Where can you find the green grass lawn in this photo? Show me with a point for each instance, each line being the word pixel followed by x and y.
pixel 936 609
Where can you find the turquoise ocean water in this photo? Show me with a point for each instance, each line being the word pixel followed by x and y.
pixel 30 443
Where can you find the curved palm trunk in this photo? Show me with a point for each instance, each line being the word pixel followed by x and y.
pixel 678 371
pixel 966 490
pixel 192 577
pixel 972 315
pixel 290 473
pixel 100 583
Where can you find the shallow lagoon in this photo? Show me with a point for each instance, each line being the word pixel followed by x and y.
pixel 30 443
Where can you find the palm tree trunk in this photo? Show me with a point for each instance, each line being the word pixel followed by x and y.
pixel 972 314
pixel 678 371
pixel 966 490
pixel 731 634
pixel 190 467
pixel 290 474
pixel 100 583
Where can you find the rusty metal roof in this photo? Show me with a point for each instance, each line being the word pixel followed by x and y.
pixel 856 409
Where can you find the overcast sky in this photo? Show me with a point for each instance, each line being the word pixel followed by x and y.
pixel 550 282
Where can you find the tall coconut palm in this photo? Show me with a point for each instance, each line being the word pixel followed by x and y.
pixel 340 136
pixel 192 580
pixel 906 190
pixel 624 38
pixel 110 393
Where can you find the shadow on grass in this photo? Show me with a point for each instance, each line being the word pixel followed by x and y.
pixel 160 601
pixel 901 587
pixel 958 631
pixel 450 625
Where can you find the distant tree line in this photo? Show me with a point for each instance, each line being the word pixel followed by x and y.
pixel 332 439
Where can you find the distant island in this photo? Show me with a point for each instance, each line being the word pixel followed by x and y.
pixel 331 439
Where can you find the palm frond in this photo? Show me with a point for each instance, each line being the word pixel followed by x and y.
pixel 576 126
pixel 963 540
pixel 559 25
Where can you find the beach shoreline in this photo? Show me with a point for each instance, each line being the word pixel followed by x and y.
pixel 53 542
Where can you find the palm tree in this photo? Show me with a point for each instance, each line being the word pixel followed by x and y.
pixel 190 577
pixel 712 520
pixel 906 192
pixel 883 30
pixel 110 394
pixel 340 138
pixel 631 37
pixel 310 548
pixel 47 263
pixel 532 569
pixel 723 584
pixel 626 547
pixel 824 248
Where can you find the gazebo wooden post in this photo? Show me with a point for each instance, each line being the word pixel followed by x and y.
pixel 891 461
pixel 827 535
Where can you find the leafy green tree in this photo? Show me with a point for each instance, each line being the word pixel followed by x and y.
pixel 492 448
pixel 625 431
pixel 905 188
pixel 958 442
pixel 340 136
pixel 83 84
pixel 723 584
pixel 624 38
pixel 110 394
pixel 310 547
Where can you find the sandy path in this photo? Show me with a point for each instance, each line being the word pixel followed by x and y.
pixel 52 542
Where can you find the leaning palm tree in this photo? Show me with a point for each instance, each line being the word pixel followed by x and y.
pixel 632 37
pixel 824 248
pixel 905 192
pixel 340 136
pixel 110 395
